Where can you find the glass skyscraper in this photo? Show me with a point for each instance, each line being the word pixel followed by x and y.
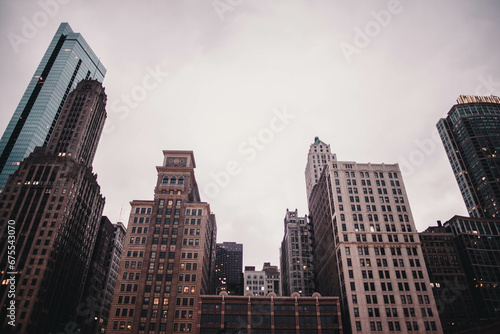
pixel 229 268
pixel 471 137
pixel 67 61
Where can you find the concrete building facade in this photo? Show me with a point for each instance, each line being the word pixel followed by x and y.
pixel 296 256
pixel 262 282
pixel 366 248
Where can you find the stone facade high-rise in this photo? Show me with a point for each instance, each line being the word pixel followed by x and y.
pixel 67 61
pixel 319 155
pixel 471 138
pixel 169 255
pixel 366 247
pixel 54 203
pixel 296 256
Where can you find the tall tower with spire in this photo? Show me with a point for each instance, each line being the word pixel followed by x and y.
pixel 366 247
pixel 319 155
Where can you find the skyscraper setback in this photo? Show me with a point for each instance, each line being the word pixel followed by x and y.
pixel 366 247
pixel 471 138
pixel 55 201
pixel 67 61
pixel 169 255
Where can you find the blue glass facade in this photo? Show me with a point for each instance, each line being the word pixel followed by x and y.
pixel 471 137
pixel 68 60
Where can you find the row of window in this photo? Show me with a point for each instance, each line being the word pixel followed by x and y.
pixel 367 191
pixel 376 227
pixel 173 180
pixel 139 230
pixel 124 312
pixel 390 299
pixel 381 250
pixel 157 289
pixel 367 174
pixel 126 299
pixel 379 238
pixel 168 278
pixel 153 326
pixel 141 220
pixel 383 262
pixel 133 264
pixel 387 286
pixel 168 212
pixel 372 217
pixel 131 276
pixel 194 212
pixel 368 274
pixel 410 326
pixel 395 326
pixel 176 220
pixel 355 199
pixel 143 211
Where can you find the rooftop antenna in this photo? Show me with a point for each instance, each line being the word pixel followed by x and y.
pixel 120 216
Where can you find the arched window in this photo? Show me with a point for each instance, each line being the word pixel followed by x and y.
pixel 173 180
pixel 181 180
pixel 165 179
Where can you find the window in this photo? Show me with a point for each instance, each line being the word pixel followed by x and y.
pixel 358 326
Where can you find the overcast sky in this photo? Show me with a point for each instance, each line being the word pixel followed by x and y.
pixel 248 84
